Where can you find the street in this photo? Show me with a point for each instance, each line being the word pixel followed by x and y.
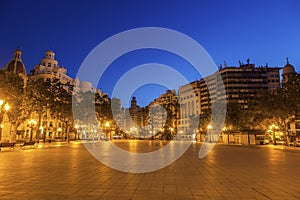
pixel 228 172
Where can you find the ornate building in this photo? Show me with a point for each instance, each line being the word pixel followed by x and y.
pixel 49 69
pixel 138 115
pixel 289 75
pixel 288 72
pixel 15 66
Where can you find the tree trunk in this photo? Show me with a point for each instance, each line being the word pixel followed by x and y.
pixel 13 133
pixel 67 132
pixel 38 132
pixel 248 134
pixel 228 138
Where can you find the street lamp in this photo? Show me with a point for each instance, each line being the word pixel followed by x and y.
pixel 3 109
pixel 209 126
pixel 272 129
pixel 107 126
pixel 77 131
pixel 32 123
pixel 210 135
pixel 172 129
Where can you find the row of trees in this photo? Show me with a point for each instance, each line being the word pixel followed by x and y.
pixel 40 98
pixel 53 97
pixel 279 108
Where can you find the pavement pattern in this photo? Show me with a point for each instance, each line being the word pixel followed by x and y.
pixel 229 172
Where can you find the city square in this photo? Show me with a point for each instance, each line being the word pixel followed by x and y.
pixel 68 171
pixel 151 99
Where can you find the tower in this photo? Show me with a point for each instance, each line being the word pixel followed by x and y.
pixel 288 72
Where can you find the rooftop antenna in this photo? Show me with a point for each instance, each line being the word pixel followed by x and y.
pixel 225 64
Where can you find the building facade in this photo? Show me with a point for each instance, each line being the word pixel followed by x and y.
pixel 49 69
pixel 164 112
pixel 289 75
pixel 242 84
pixel 189 100
pixel 50 126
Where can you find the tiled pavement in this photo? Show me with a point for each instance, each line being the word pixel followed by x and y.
pixel 228 172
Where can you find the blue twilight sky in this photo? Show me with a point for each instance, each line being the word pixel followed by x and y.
pixel 266 31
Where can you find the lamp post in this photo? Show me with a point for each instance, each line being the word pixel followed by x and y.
pixel 224 131
pixel 272 129
pixel 3 109
pixel 107 126
pixel 172 129
pixel 76 133
pixel 209 127
pixel 32 123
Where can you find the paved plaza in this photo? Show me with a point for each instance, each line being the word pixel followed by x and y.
pixel 228 172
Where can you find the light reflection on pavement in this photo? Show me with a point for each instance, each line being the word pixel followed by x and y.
pixel 228 172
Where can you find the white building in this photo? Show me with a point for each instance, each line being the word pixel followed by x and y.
pixel 49 69
pixel 189 99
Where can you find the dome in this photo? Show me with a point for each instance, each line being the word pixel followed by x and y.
pixel 288 68
pixel 16 66
pixel 85 86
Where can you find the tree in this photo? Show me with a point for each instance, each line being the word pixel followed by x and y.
pixel 172 109
pixel 62 104
pixel 40 94
pixel 204 120
pixel 12 90
pixel 275 109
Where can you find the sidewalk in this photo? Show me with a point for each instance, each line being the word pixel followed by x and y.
pixel 71 172
pixel 40 145
pixel 271 146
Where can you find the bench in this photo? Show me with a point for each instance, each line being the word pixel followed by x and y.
pixel 29 143
pixel 7 144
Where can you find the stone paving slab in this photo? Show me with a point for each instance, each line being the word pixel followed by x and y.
pixel 70 172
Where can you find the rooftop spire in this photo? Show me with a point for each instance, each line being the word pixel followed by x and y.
pixel 17 54
pixel 287 60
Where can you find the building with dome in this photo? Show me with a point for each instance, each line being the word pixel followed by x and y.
pixel 49 69
pixel 288 75
pixel 16 65
pixel 288 72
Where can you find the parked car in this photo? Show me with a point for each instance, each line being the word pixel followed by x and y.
pixel 297 142
pixel 261 139
pixel 279 141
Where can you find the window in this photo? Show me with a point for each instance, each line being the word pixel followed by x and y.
pixel 297 125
